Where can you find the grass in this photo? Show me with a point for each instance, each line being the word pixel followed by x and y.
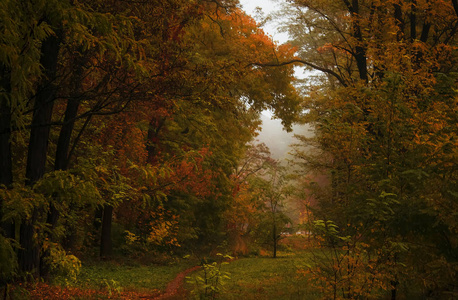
pixel 113 279
pixel 129 277
pixel 267 278
pixel 258 277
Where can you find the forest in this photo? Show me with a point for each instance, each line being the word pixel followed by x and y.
pixel 129 166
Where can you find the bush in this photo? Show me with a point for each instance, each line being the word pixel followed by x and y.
pixel 212 281
pixel 61 265
pixel 8 260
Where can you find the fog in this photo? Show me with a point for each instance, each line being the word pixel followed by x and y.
pixel 277 139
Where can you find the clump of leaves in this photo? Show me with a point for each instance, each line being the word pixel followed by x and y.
pixel 346 268
pixel 8 260
pixel 211 280
pixel 61 264
pixel 113 287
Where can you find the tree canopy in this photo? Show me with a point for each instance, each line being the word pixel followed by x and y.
pixel 126 128
pixel 385 114
pixel 118 113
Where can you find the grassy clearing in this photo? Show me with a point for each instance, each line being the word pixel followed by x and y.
pixel 140 278
pixel 267 278
pixel 251 278
pixel 114 279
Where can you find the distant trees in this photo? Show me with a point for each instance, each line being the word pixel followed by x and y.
pixel 257 215
pixel 273 191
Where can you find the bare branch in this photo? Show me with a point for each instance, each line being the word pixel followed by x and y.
pixel 313 66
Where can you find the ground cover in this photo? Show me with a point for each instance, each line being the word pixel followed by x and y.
pixel 263 277
pixel 112 279
pixel 130 277
pixel 255 277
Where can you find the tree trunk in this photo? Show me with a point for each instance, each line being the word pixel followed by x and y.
pixel 275 239
pixel 393 290
pixel 413 21
pixel 6 166
pixel 97 223
pixel 28 255
pixel 63 143
pixel 73 103
pixel 360 50
pixel 399 21
pixel 98 216
pixel 39 134
pixel 106 247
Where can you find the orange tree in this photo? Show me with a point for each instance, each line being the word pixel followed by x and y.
pixel 213 103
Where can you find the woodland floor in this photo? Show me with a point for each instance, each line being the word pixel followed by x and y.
pixel 174 290
pixel 254 277
pixel 175 287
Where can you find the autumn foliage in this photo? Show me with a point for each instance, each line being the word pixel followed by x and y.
pixel 385 119
pixel 121 125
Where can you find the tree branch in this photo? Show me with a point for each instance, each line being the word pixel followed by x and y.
pixel 313 66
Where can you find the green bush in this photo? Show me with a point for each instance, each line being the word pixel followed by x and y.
pixel 8 260
pixel 211 281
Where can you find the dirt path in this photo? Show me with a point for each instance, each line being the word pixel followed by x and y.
pixel 174 286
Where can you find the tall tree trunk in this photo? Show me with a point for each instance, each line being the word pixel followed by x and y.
pixel 63 142
pixel 97 224
pixel 39 134
pixel 413 21
pixel 6 166
pixel 399 21
pixel 360 49
pixel 73 103
pixel 28 255
pixel 275 239
pixel 106 247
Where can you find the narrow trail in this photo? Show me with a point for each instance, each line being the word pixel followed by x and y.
pixel 174 286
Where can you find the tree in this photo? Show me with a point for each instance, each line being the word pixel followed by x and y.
pixel 383 126
pixel 242 215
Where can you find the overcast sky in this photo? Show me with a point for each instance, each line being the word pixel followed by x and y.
pixel 268 6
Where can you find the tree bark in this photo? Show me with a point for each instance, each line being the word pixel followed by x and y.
pixel 399 21
pixel 413 21
pixel 6 166
pixel 106 247
pixel 275 239
pixel 28 255
pixel 44 102
pixel 63 142
pixel 73 103
pixel 360 50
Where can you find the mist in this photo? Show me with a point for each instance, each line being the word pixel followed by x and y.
pixel 277 139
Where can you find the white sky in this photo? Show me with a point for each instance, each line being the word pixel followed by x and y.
pixel 267 6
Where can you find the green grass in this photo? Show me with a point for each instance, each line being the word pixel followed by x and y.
pixel 267 278
pixel 98 275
